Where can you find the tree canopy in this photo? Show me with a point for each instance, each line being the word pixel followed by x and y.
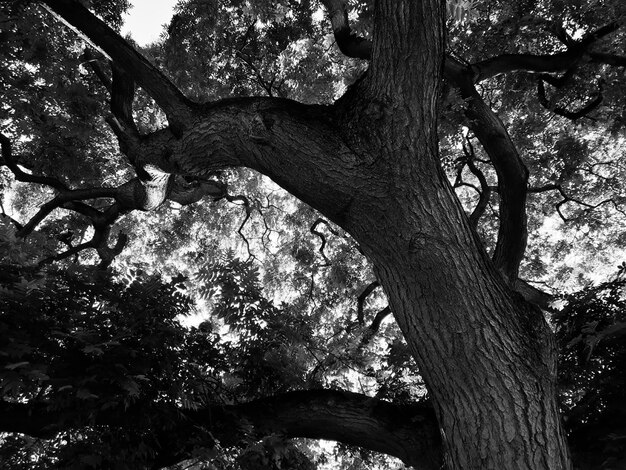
pixel 379 223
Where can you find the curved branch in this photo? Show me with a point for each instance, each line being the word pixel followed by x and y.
pixel 122 97
pixel 567 198
pixel 142 194
pixel 102 222
pixel 314 231
pixel 510 169
pixel 408 432
pixel 572 115
pixel 64 200
pixel 485 189
pixel 175 105
pixel 507 63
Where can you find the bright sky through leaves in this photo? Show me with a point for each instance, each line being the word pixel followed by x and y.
pixel 146 18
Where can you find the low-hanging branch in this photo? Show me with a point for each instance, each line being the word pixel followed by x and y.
pixel 408 431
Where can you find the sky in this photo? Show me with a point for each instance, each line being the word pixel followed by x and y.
pixel 145 19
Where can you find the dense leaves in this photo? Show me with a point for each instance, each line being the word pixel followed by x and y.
pixel 590 330
pixel 79 345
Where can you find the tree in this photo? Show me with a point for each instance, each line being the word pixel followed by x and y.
pixel 370 163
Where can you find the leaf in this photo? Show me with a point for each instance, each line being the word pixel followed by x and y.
pixel 92 349
pixel 130 386
pixel 85 394
pixel 37 375
pixel 16 365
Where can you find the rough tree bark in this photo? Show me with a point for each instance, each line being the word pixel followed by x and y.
pixel 370 164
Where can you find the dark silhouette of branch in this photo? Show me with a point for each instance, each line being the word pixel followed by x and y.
pixel 566 198
pixel 93 61
pixel 573 115
pixel 248 208
pixel 375 325
pixel 185 193
pixel 558 82
pixel 121 87
pixel 322 237
pixel 609 59
pixel 122 96
pixel 485 189
pixel 510 169
pixel 558 62
pixel 361 300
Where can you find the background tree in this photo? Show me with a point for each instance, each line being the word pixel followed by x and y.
pixel 370 160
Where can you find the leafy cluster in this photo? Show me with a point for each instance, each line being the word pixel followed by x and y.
pixel 592 369
pixel 109 361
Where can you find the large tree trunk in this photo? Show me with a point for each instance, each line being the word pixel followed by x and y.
pixel 488 358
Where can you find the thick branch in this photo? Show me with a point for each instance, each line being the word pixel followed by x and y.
pixel 375 325
pixel 609 59
pixel 409 432
pixel 533 295
pixel 558 62
pixel 507 63
pixel 167 96
pixel 512 176
pixel 122 96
